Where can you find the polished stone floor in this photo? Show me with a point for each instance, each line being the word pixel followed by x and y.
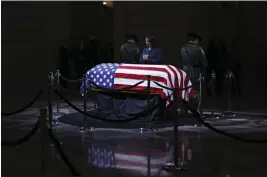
pixel 120 152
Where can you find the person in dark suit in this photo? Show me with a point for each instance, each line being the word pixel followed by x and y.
pixel 129 52
pixel 152 54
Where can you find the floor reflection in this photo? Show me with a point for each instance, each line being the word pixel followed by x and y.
pixel 130 153
pixel 143 157
pixel 136 156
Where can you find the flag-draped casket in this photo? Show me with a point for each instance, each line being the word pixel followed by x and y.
pixel 119 76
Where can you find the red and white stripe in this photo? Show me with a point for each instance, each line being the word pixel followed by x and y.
pixel 138 163
pixel 167 75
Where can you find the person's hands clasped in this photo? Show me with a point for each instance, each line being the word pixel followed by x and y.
pixel 145 57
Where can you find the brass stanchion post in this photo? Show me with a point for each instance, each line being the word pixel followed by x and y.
pixel 199 100
pixel 85 122
pixel 200 106
pixel 44 139
pixel 50 104
pixel 58 113
pixel 142 130
pixel 229 112
pixel 213 82
pixel 176 165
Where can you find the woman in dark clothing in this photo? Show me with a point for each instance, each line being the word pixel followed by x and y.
pixel 152 54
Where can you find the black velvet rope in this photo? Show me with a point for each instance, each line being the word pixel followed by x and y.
pixel 73 170
pixel 230 135
pixel 70 80
pixel 94 117
pixel 25 138
pixel 25 107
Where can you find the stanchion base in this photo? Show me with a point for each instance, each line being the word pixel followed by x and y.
pixel 229 114
pixel 55 121
pixel 198 125
pixel 58 114
pixel 203 117
pixel 52 144
pixel 91 128
pixel 90 109
pixel 83 129
pixel 212 117
pixel 143 130
pixel 153 129
pixel 172 168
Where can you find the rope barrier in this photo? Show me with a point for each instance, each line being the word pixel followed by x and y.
pixel 92 116
pixel 70 80
pixel 52 137
pixel 25 107
pixel 46 130
pixel 232 136
pixel 25 138
pixel 73 170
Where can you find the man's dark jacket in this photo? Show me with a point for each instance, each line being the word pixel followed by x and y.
pixel 129 53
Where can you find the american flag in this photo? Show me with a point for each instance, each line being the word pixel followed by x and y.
pixel 101 156
pixel 121 157
pixel 106 157
pixel 117 76
pixel 102 75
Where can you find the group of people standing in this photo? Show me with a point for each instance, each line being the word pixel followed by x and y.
pixel 194 59
pixel 85 54
pixel 130 53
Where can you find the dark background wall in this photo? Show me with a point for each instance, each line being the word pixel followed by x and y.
pixel 31 35
pixel 32 32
